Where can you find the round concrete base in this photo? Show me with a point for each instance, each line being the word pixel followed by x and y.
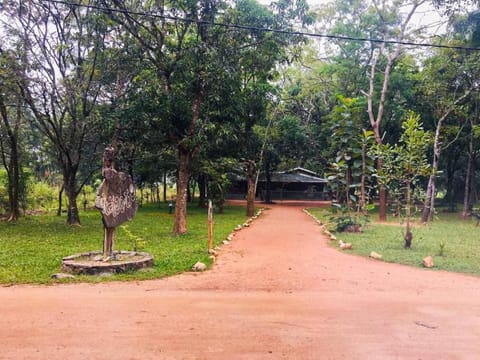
pixel 92 263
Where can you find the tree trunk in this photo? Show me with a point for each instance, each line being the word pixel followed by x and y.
pixel 468 180
pixel 12 165
pixel 194 185
pixel 382 203
pixel 268 184
pixel 189 191
pixel 221 202
pixel 376 120
pixel 466 194
pixel 73 216
pixel 165 186
pixel 382 191
pixel 382 195
pixel 408 214
pixel 363 206
pixel 348 178
pixel 429 204
pixel 473 186
pixel 14 183
pixel 250 165
pixel 184 157
pixel 180 224
pixel 201 191
pixel 450 193
pixel 60 193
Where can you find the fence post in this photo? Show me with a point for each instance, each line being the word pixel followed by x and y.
pixel 210 225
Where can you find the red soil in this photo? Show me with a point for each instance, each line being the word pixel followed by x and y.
pixel 278 291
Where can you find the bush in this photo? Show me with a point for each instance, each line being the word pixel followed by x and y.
pixel 345 222
pixel 42 196
pixel 346 219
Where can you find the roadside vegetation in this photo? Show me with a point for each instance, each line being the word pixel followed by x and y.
pixel 454 243
pixel 32 248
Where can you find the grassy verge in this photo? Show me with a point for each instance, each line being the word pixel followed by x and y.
pixel 32 249
pixel 461 239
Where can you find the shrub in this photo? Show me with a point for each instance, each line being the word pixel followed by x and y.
pixel 42 196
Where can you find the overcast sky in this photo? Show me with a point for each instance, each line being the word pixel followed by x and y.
pixel 426 15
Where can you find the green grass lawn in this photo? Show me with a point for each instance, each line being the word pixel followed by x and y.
pixel 32 249
pixel 461 238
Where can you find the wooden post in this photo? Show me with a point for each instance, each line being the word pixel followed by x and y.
pixel 210 225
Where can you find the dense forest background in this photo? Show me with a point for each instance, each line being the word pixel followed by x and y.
pixel 190 91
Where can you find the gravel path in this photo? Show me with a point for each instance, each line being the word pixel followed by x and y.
pixel 277 291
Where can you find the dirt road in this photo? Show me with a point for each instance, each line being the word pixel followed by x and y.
pixel 278 291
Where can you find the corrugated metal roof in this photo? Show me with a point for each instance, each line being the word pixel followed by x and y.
pixel 296 175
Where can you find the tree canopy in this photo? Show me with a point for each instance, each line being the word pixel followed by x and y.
pixel 194 90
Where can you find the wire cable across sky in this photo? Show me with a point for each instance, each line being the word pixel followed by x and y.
pixel 278 31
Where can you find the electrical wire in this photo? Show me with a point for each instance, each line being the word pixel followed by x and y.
pixel 270 30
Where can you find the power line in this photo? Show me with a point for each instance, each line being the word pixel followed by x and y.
pixel 270 30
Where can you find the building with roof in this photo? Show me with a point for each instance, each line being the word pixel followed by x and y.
pixel 293 184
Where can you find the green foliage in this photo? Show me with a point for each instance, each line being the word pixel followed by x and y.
pixel 216 171
pixel 350 176
pixel 42 196
pixel 345 220
pixel 442 248
pixel 216 190
pixel 405 162
pixel 291 136
pixel 137 243
pixel 27 190
pixel 33 248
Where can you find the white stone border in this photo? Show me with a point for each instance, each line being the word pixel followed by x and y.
pixel 215 251
pixel 341 244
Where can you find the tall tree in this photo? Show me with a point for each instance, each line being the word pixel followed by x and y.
pixel 259 52
pixel 63 42
pixel 446 94
pixel 376 111
pixel 450 7
pixel 405 163
pixel 472 153
pixel 382 21
pixel 12 115
pixel 192 59
pixel 309 95
pixel 179 46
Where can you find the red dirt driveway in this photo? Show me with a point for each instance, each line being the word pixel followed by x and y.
pixel 278 291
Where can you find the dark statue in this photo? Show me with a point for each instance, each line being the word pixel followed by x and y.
pixel 115 199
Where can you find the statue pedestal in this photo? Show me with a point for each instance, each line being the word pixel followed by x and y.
pixel 116 201
pixel 92 263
